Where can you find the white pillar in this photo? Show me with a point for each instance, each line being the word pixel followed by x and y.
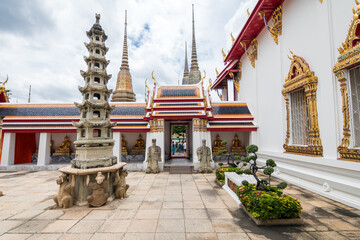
pixel 44 149
pixel 224 93
pixel 230 90
pixel 117 145
pixel 8 150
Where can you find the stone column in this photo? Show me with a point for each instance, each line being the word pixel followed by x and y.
pixel 8 150
pixel 44 149
pixel 117 145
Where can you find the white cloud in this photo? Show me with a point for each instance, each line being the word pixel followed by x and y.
pixel 49 55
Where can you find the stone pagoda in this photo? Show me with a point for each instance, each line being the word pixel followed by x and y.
pixel 124 90
pixel 194 75
pixel 94 142
pixel 94 167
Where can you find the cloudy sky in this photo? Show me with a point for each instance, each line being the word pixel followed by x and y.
pixel 42 41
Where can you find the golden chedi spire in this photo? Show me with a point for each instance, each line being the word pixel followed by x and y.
pixel 124 91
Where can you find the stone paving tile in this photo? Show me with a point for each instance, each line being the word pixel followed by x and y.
pixel 105 236
pixel 50 214
pixel 27 214
pixel 171 226
pixel 99 214
pixel 139 236
pixel 129 205
pixel 198 225
pixel 32 226
pixel 45 236
pixel 226 226
pixel 74 236
pixel 193 204
pixel 201 236
pixel 59 226
pixel 167 236
pixel 195 214
pixel 75 214
pixel 219 214
pixel 327 235
pixel 86 226
pixel 143 226
pixel 172 214
pixel 123 214
pixel 7 225
pixel 10 236
pixel 338 225
pixel 172 205
pixel 232 236
pixel 254 236
pixel 147 214
pixel 117 226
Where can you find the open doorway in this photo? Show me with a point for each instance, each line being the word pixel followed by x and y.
pixel 179 141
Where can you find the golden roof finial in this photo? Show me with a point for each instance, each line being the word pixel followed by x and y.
pixel 358 5
pixel 146 86
pixel 3 84
pixel 232 38
pixel 210 84
pixel 203 76
pixel 217 72
pixel 247 11
pixel 223 53
pixel 293 55
pixel 152 75
pixel 231 75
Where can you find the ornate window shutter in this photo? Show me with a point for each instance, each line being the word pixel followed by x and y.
pixel 301 78
pixel 349 57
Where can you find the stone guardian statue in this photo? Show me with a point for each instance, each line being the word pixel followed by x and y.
pixel 98 196
pixel 120 184
pixel 204 156
pixel 153 157
pixel 63 198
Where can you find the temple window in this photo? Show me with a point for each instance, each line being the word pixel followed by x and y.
pixel 299 118
pixel 97 38
pixel 97 51
pixel 87 96
pixel 108 133
pixel 107 115
pixel 96 65
pixel 96 114
pixel 88 80
pixel 97 133
pixel 96 96
pixel 349 81
pixel 302 128
pixel 84 114
pixel 354 94
pixel 96 80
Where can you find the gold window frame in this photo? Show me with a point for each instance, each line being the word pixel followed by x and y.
pixel 349 57
pixel 300 76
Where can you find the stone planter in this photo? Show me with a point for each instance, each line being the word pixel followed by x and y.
pixel 274 222
pixel 220 184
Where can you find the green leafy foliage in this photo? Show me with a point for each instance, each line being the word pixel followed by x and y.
pixel 282 185
pixel 270 163
pixel 180 130
pixel 221 164
pixel 220 172
pixel 252 149
pixel 268 170
pixel 245 183
pixel 268 204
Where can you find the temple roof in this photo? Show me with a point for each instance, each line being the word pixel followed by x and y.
pixel 169 92
pixel 251 30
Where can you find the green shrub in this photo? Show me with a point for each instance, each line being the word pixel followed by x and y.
pixel 268 204
pixel 220 172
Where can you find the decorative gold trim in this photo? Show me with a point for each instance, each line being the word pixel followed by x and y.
pixel 276 30
pixel 223 53
pixel 300 76
pixel 252 56
pixel 156 125
pixel 232 38
pixel 349 56
pixel 200 125
pixel 238 78
pixel 217 72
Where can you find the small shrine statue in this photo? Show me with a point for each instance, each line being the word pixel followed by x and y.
pixel 139 148
pixel 123 146
pixel 204 156
pixel 217 145
pixel 120 184
pixel 237 148
pixel 64 149
pixel 63 198
pixel 98 196
pixel 153 157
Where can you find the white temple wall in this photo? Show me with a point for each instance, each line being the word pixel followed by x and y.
pixel 313 31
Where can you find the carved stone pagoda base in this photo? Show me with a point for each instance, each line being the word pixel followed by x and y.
pixel 93 163
pixel 81 191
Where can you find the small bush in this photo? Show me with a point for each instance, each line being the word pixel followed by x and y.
pixel 268 204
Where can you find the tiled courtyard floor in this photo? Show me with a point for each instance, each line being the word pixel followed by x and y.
pixel 159 206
